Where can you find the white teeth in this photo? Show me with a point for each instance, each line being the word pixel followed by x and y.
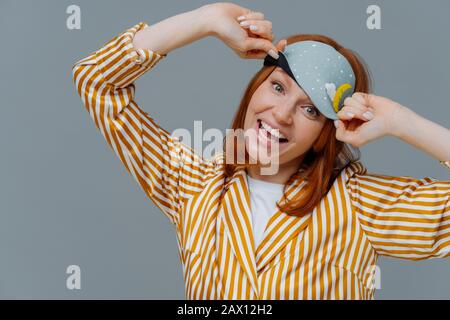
pixel 272 131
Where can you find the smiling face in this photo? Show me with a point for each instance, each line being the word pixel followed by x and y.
pixel 279 103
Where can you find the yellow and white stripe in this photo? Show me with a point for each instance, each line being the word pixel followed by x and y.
pixel 327 254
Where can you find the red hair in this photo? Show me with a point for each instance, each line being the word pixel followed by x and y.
pixel 328 156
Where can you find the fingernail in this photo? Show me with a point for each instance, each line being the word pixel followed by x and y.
pixel 273 54
pixel 253 28
pixel 245 23
pixel 368 115
pixel 336 123
pixel 350 114
pixel 241 18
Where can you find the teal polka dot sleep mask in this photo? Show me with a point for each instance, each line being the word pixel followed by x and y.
pixel 323 73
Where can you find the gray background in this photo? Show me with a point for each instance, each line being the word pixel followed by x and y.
pixel 65 197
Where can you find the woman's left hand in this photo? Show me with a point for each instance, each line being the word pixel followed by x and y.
pixel 357 127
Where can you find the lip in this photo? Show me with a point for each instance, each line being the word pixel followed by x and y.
pixel 275 127
pixel 266 140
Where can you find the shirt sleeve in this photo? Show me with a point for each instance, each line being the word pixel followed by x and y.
pixel 167 171
pixel 403 217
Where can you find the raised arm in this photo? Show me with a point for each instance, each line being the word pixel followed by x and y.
pixel 176 31
pixel 403 217
pixel 423 134
pixel 366 117
pixel 166 170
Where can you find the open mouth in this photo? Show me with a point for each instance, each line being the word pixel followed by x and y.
pixel 271 134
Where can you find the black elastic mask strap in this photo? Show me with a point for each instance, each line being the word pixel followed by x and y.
pixel 280 62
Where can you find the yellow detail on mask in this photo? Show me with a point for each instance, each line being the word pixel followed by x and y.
pixel 337 97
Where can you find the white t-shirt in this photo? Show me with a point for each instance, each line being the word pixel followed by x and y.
pixel 263 197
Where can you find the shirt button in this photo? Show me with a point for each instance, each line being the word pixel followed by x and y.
pixel 140 56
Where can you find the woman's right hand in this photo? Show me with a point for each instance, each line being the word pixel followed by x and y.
pixel 246 43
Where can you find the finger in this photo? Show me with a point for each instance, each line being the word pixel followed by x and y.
pixel 338 123
pixel 262 31
pixel 281 45
pixel 262 28
pixel 249 22
pixel 355 107
pixel 262 45
pixel 346 114
pixel 361 97
pixel 352 112
pixel 353 102
pixel 350 109
pixel 257 54
pixel 254 54
pixel 345 135
pixel 252 15
pixel 366 97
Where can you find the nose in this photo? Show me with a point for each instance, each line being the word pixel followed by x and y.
pixel 283 113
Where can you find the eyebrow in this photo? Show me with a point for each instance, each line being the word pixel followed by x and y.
pixel 284 75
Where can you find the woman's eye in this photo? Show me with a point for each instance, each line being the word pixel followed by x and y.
pixel 278 85
pixel 311 110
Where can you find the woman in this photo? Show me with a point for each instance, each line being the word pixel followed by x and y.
pixel 314 229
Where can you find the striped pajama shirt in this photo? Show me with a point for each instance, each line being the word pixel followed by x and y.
pixel 330 253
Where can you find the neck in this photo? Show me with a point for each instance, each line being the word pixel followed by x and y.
pixel 285 171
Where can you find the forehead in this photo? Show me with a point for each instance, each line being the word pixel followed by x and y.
pixel 279 71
